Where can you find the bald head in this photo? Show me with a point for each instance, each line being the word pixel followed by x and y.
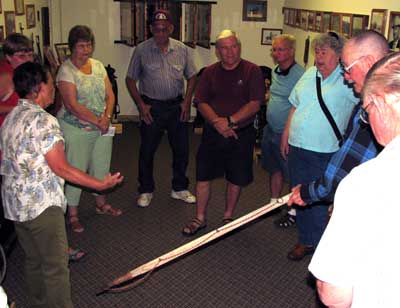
pixel 360 53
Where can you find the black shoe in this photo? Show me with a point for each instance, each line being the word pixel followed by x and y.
pixel 285 221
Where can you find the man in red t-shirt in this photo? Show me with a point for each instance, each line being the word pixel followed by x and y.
pixel 228 96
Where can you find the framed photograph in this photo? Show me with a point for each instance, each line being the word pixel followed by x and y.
pixel 292 17
pixel 297 22
pixel 378 20
pixel 30 16
pixel 1 34
pixel 286 15
pixel 311 21
pixel 190 24
pixel 335 22
pixel 267 34
pixel 394 31
pixel 303 19
pixel 19 7
pixel 359 24
pixel 345 24
pixel 254 10
pixel 318 21
pixel 326 22
pixel 203 25
pixel 1 8
pixel 9 22
pixel 62 51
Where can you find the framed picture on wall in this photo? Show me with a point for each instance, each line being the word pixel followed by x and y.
pixel 378 20
pixel 359 24
pixel 62 51
pixel 297 22
pixel 394 31
pixel 1 34
pixel 326 21
pixel 335 22
pixel 346 24
pixel 30 16
pixel 267 34
pixel 311 21
pixel 303 19
pixel 19 7
pixel 9 22
pixel 286 15
pixel 1 8
pixel 254 10
pixel 318 21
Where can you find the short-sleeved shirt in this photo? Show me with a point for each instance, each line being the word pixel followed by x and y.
pixel 278 107
pixel 90 91
pixel 227 91
pixel 29 185
pixel 309 128
pixel 359 248
pixel 161 76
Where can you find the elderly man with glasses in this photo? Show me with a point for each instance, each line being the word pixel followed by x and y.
pixel 284 77
pixel 358 56
pixel 356 262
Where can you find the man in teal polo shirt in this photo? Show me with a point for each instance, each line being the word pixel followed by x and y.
pixel 284 77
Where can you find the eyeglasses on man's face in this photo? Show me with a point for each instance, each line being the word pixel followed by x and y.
pixel 364 113
pixel 347 69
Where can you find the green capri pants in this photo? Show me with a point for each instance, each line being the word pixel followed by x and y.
pixel 87 151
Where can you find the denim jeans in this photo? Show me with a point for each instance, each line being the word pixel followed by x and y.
pixel 304 167
pixel 166 117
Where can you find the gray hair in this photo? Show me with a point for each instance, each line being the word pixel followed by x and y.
pixel 227 33
pixel 330 39
pixel 287 38
pixel 384 77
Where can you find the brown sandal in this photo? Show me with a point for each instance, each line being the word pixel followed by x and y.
pixel 75 224
pixel 107 209
pixel 193 227
pixel 227 220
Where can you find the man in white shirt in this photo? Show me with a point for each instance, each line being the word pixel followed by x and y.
pixel 356 262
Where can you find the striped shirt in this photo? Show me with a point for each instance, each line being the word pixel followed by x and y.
pixel 161 76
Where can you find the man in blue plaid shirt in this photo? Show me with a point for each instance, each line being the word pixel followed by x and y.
pixel 358 56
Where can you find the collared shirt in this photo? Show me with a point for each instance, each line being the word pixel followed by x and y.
pixel 360 146
pixel 29 185
pixel 278 107
pixel 161 76
pixel 90 91
pixel 358 249
pixel 309 128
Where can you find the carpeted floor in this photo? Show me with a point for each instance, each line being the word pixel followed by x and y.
pixel 247 268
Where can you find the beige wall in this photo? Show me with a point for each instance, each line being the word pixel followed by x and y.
pixel 342 6
pixel 103 17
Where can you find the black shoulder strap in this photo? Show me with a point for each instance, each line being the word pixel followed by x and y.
pixel 327 113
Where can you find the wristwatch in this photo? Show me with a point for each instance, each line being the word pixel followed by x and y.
pixel 230 123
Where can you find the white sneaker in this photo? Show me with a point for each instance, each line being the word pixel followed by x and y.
pixel 183 195
pixel 144 199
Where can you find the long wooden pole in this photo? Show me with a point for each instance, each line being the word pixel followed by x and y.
pixel 186 248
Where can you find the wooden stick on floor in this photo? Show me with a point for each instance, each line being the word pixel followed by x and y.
pixel 147 268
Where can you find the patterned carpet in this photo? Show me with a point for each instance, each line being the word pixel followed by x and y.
pixel 246 268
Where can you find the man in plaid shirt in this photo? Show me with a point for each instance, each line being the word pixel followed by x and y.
pixel 359 54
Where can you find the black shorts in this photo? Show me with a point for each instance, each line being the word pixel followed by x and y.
pixel 218 156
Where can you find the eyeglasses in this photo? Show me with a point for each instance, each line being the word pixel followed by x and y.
pixel 279 49
pixel 347 69
pixel 364 113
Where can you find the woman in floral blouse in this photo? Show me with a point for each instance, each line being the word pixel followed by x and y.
pixel 33 168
